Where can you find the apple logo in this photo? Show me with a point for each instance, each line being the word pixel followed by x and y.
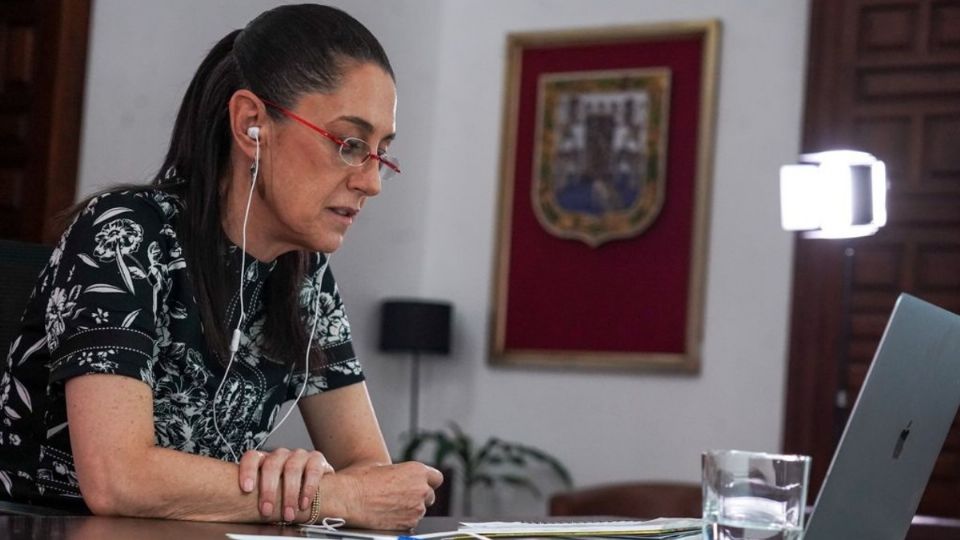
pixel 901 440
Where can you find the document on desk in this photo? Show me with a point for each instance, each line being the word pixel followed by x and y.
pixel 654 529
pixel 326 533
pixel 306 531
pixel 649 529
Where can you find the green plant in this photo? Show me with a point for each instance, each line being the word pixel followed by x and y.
pixel 494 462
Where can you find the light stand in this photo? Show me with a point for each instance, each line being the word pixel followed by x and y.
pixel 839 194
pixel 415 393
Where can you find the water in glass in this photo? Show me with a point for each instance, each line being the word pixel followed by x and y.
pixel 753 496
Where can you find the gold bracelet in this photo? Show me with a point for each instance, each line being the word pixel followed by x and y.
pixel 315 508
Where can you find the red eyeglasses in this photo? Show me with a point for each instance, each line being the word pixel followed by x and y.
pixel 353 151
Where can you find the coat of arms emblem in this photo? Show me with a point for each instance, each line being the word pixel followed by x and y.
pixel 599 165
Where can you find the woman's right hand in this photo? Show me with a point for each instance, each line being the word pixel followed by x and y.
pixel 385 497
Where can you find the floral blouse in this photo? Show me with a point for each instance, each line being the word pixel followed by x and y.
pixel 116 298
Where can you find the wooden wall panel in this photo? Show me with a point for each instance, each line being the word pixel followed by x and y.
pixel 885 29
pixel 886 136
pixel 942 161
pixel 945 27
pixel 43 47
pixel 884 77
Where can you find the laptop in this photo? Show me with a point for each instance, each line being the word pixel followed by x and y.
pixel 896 429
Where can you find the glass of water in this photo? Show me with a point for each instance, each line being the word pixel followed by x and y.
pixel 753 495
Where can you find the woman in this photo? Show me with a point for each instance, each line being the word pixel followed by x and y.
pixel 173 320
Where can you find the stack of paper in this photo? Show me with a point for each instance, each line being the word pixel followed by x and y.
pixel 655 528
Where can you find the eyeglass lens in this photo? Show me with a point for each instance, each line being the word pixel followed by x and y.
pixel 356 152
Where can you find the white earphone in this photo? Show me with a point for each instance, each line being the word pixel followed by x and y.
pixel 254 133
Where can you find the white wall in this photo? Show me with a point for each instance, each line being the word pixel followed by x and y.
pixel 614 426
pixel 432 233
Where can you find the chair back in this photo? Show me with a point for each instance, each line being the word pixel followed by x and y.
pixel 643 500
pixel 20 264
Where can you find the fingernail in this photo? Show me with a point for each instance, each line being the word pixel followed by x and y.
pixel 304 503
pixel 266 509
pixel 248 485
pixel 289 514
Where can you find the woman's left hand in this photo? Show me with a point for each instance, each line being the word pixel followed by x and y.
pixel 287 477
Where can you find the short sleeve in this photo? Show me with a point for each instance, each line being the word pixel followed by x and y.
pixel 110 273
pixel 321 300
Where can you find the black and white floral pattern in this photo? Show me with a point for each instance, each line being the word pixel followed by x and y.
pixel 116 298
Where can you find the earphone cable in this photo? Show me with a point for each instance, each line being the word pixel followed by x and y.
pixel 306 360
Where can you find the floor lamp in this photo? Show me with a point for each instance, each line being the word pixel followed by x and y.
pixel 417 327
pixel 834 194
pixel 838 194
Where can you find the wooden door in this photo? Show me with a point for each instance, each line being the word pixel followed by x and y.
pixel 43 49
pixel 884 77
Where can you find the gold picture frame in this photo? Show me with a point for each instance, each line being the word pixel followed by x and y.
pixel 568 233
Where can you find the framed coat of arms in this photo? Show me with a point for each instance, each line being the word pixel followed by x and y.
pixel 605 176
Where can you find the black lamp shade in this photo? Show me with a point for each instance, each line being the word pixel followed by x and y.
pixel 414 325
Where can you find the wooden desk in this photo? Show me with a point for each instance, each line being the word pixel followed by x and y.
pixel 100 528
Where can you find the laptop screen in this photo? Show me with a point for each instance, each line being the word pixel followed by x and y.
pixel 896 428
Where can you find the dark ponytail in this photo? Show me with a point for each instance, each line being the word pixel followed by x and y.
pixel 198 154
pixel 280 55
